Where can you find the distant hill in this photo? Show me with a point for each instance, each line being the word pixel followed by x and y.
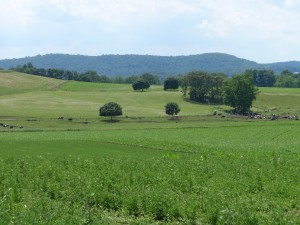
pixel 125 65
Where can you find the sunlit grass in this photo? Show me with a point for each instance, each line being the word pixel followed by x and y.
pixel 143 168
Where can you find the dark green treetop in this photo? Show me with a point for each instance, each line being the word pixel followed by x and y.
pixel 171 83
pixel 240 92
pixel 140 84
pixel 172 109
pixel 110 109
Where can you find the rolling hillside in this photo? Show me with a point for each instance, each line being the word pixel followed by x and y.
pixel 125 65
pixel 27 95
pixel 12 83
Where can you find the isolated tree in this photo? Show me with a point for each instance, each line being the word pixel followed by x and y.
pixel 172 109
pixel 171 83
pixel 239 92
pixel 110 109
pixel 140 84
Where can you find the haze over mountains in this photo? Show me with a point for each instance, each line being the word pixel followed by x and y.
pixel 125 65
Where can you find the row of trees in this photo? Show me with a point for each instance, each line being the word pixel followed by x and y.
pixel 267 78
pixel 262 78
pixel 89 76
pixel 288 79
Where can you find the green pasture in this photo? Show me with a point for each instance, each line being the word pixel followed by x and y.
pixel 235 136
pixel 278 101
pixel 14 83
pixel 31 96
pixel 235 173
pixel 144 168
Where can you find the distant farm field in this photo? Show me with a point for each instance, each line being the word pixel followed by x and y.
pixel 144 168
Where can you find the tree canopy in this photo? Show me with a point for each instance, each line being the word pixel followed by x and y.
pixel 203 87
pixel 172 109
pixel 262 78
pixel 110 109
pixel 240 92
pixel 288 79
pixel 171 83
pixel 140 84
pixel 151 78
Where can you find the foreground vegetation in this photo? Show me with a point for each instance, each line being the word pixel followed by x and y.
pixel 194 175
pixel 144 168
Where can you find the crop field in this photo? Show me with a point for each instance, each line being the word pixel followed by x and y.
pixel 144 168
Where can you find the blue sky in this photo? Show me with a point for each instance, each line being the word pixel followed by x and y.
pixel 259 30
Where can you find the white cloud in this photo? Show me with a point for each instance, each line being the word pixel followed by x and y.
pixel 14 13
pixel 174 26
pixel 122 12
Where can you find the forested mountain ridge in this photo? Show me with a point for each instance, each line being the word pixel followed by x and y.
pixel 125 65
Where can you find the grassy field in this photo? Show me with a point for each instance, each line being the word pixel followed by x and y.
pixel 14 83
pixel 31 96
pixel 143 168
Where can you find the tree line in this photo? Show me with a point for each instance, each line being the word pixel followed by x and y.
pixel 88 76
pixel 267 78
pixel 261 78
